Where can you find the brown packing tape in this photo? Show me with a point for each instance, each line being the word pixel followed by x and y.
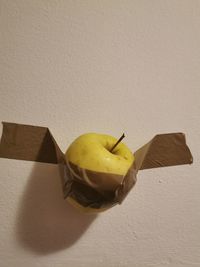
pixel 32 143
pixel 28 142
pixel 98 190
pixel 162 151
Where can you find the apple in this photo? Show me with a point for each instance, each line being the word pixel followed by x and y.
pixel 98 165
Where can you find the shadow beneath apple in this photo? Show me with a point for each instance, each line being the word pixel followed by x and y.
pixel 46 222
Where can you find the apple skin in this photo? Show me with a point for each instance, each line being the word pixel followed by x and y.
pixel 98 178
pixel 91 151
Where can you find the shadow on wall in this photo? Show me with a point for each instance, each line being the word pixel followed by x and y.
pixel 46 222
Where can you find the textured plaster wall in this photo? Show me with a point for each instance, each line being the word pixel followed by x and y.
pixel 110 67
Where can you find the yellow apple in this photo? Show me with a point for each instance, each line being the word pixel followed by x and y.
pixel 92 151
pixel 94 162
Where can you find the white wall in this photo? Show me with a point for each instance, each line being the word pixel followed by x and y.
pixel 110 67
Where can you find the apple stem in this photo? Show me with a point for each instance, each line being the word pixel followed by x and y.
pixel 118 141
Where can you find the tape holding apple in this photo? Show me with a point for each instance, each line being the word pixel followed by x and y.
pixel 97 170
pixel 102 170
